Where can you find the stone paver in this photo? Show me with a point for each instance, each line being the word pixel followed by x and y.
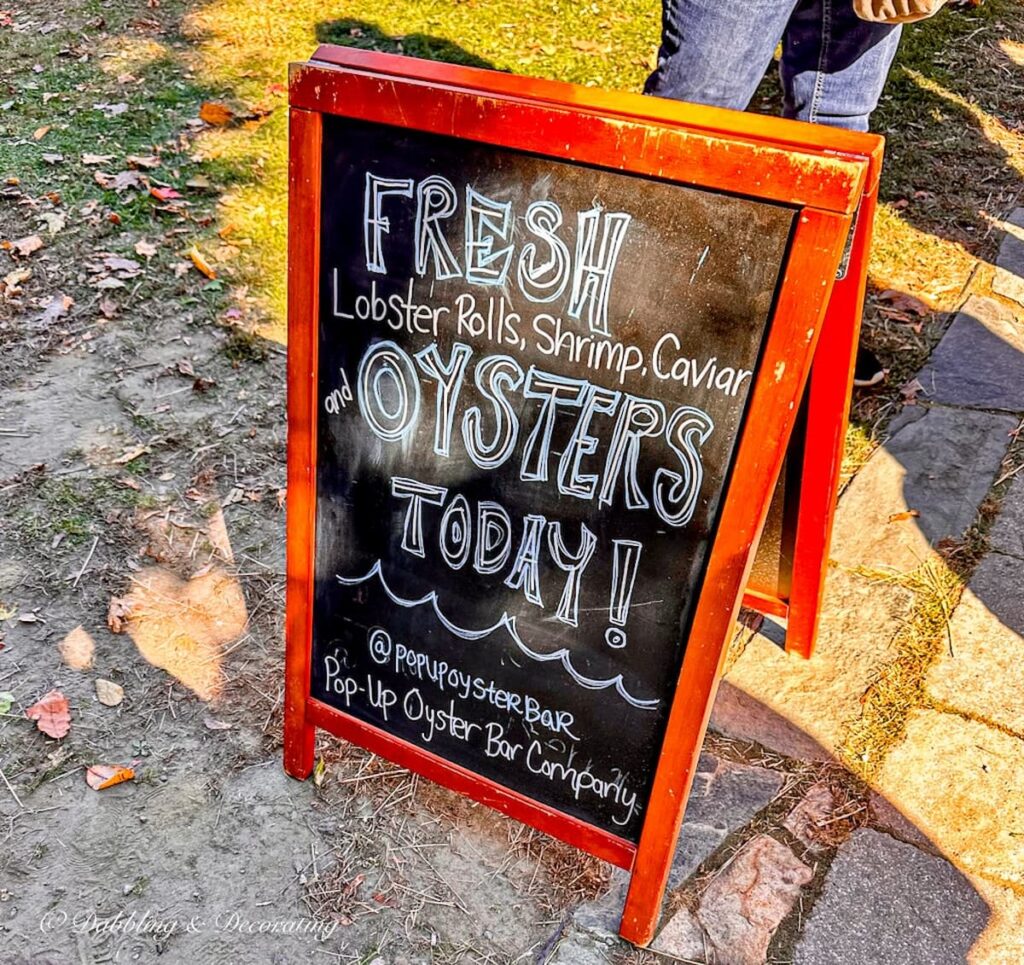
pixel 887 902
pixel 940 466
pixel 984 674
pixel 980 360
pixel 1007 533
pixel 1009 277
pixel 962 784
pixel 799 707
pixel 579 948
pixel 725 796
pixel 742 907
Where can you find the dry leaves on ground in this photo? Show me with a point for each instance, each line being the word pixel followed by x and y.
pixel 118 614
pixel 57 307
pixel 102 776
pixel 51 714
pixel 27 245
pixel 216 114
pixel 201 263
pixel 11 284
pixel 119 182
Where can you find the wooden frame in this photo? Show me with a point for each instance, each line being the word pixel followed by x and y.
pixel 821 173
pixel 813 488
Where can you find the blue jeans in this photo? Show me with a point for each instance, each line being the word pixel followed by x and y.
pixel 833 63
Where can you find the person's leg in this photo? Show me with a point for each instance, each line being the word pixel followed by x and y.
pixel 834 64
pixel 716 51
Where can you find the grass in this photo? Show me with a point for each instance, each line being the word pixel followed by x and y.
pixel 899 687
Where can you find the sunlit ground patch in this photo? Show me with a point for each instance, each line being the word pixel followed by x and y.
pixel 182 626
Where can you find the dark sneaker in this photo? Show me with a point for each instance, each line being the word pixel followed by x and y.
pixel 868 370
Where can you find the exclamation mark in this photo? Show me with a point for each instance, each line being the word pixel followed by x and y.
pixel 625 563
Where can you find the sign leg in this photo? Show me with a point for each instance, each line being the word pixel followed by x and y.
pixel 828 409
pixel 298 743
pixel 303 258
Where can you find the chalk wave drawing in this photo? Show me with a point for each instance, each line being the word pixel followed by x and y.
pixel 509 624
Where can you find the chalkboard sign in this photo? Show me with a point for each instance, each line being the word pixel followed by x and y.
pixel 546 347
pixel 532 375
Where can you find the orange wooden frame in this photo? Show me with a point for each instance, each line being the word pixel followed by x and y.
pixel 823 174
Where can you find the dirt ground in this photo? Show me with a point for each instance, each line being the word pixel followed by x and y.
pixel 142 468
pixel 142 475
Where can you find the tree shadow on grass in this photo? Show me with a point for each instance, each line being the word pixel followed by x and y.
pixel 363 35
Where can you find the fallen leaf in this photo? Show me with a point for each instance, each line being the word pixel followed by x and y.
pixel 13 279
pixel 97 158
pixel 51 714
pixel 52 158
pixel 236 495
pixel 164 194
pixel 148 161
pixel 899 517
pixel 910 390
pixel 120 181
pixel 6 702
pixel 216 114
pixel 117 263
pixel 54 221
pixel 211 724
pixel 319 772
pixel 28 618
pixel 131 454
pixel 199 183
pixel 77 649
pixel 27 245
pixel 201 263
pixel 185 368
pixel 108 307
pixel 108 693
pixel 101 776
pixel 118 614
pixel 106 283
pixel 589 46
pixel 145 248
pixel 40 132
pixel 57 307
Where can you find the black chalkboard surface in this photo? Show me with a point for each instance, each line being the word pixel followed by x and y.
pixel 532 375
